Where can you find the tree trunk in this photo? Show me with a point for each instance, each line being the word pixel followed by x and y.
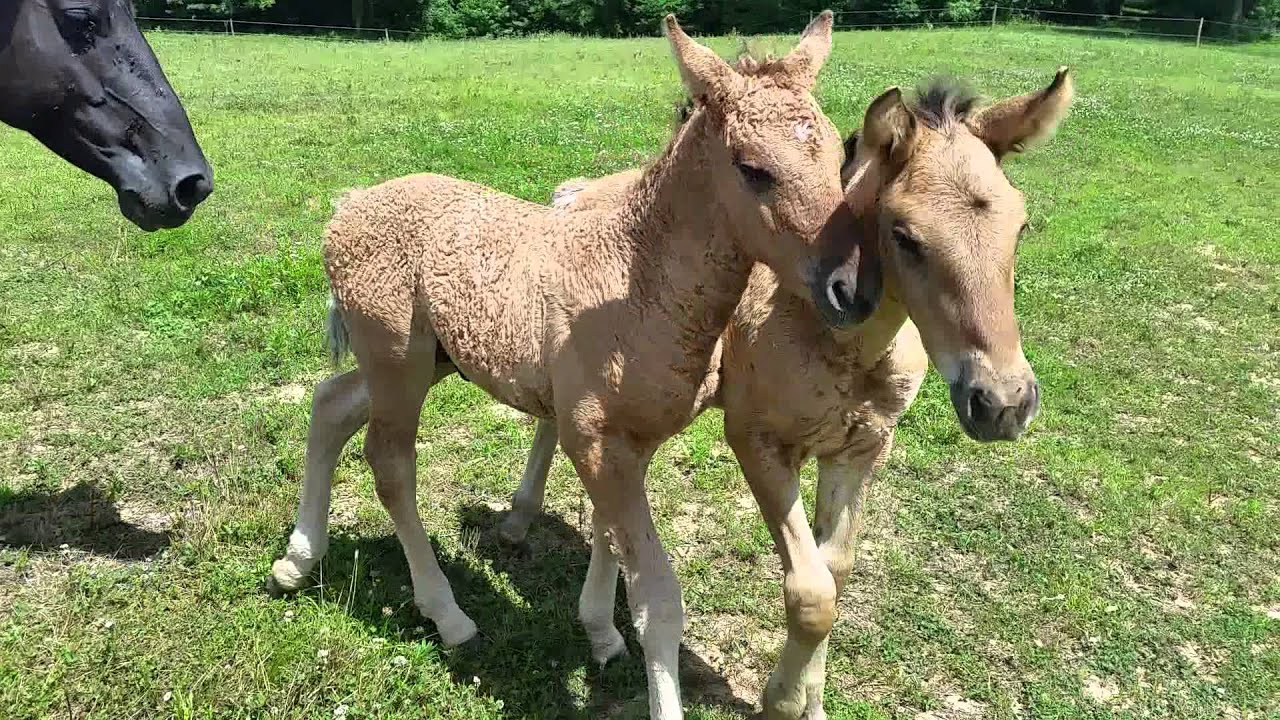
pixel 1237 17
pixel 357 13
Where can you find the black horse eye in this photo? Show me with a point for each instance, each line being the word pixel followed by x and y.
pixel 79 27
pixel 907 242
pixel 758 180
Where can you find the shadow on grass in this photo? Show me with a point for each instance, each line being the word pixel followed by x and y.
pixel 81 517
pixel 532 653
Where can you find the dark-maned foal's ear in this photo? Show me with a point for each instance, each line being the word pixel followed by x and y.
pixel 850 152
pixel 890 128
pixel 1013 124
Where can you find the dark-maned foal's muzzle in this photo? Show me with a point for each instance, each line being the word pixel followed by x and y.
pixel 847 282
pixel 997 410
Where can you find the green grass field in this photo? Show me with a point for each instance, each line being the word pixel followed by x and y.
pixel 1123 560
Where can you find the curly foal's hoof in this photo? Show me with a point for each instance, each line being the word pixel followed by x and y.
pixel 286 577
pixel 780 705
pixel 608 647
pixel 515 528
pixel 814 711
pixel 456 629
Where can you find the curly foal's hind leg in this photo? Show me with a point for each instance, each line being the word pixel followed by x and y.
pixel 339 407
pixel 398 384
pixel 526 504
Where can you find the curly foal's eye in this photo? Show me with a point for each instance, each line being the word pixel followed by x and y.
pixel 907 242
pixel 760 181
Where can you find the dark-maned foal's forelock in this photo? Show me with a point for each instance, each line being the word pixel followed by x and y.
pixel 78 75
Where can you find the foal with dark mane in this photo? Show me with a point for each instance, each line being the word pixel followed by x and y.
pixel 79 76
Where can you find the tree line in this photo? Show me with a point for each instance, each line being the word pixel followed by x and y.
pixel 616 18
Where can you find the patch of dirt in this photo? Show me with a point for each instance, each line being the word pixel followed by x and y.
pixel 1195 657
pixel 511 414
pixel 1207 325
pixel 33 351
pixel 1272 611
pixel 290 394
pixel 956 707
pixel 82 517
pixel 1126 421
pixel 737 649
pixel 1103 692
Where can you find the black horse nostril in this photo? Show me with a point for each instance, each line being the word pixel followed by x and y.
pixel 191 191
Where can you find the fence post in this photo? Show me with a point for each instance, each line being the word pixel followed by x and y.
pixel 1199 30
pixel 386 34
pixel 231 23
pixel 993 14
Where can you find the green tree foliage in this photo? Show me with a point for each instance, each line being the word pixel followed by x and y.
pixel 478 18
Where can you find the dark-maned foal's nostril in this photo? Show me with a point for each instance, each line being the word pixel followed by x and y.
pixel 850 301
pixel 981 405
pixel 191 191
pixel 995 415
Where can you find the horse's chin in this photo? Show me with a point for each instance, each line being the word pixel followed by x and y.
pixel 147 217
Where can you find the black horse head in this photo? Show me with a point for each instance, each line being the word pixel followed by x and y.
pixel 78 76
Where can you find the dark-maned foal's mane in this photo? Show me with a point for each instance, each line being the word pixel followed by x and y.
pixel 942 102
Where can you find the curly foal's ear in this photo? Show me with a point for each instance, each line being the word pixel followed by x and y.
pixel 805 61
pixel 1013 124
pixel 705 74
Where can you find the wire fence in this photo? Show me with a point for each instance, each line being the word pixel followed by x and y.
pixel 1175 28
pixel 1185 28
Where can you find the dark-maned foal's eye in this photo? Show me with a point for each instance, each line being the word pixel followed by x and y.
pixel 760 181
pixel 79 27
pixel 907 242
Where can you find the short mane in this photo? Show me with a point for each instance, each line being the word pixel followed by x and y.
pixel 943 101
pixel 751 62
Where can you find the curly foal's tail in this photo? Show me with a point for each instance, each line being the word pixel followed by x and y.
pixel 335 330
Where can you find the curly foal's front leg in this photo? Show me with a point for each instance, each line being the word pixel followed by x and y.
pixel 843 484
pixel 612 469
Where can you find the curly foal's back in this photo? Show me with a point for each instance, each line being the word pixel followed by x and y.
pixel 428 250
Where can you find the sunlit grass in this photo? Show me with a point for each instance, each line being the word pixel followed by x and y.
pixel 1120 562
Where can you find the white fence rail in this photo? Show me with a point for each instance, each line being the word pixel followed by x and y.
pixel 989 15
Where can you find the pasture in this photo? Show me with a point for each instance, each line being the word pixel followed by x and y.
pixel 1123 560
